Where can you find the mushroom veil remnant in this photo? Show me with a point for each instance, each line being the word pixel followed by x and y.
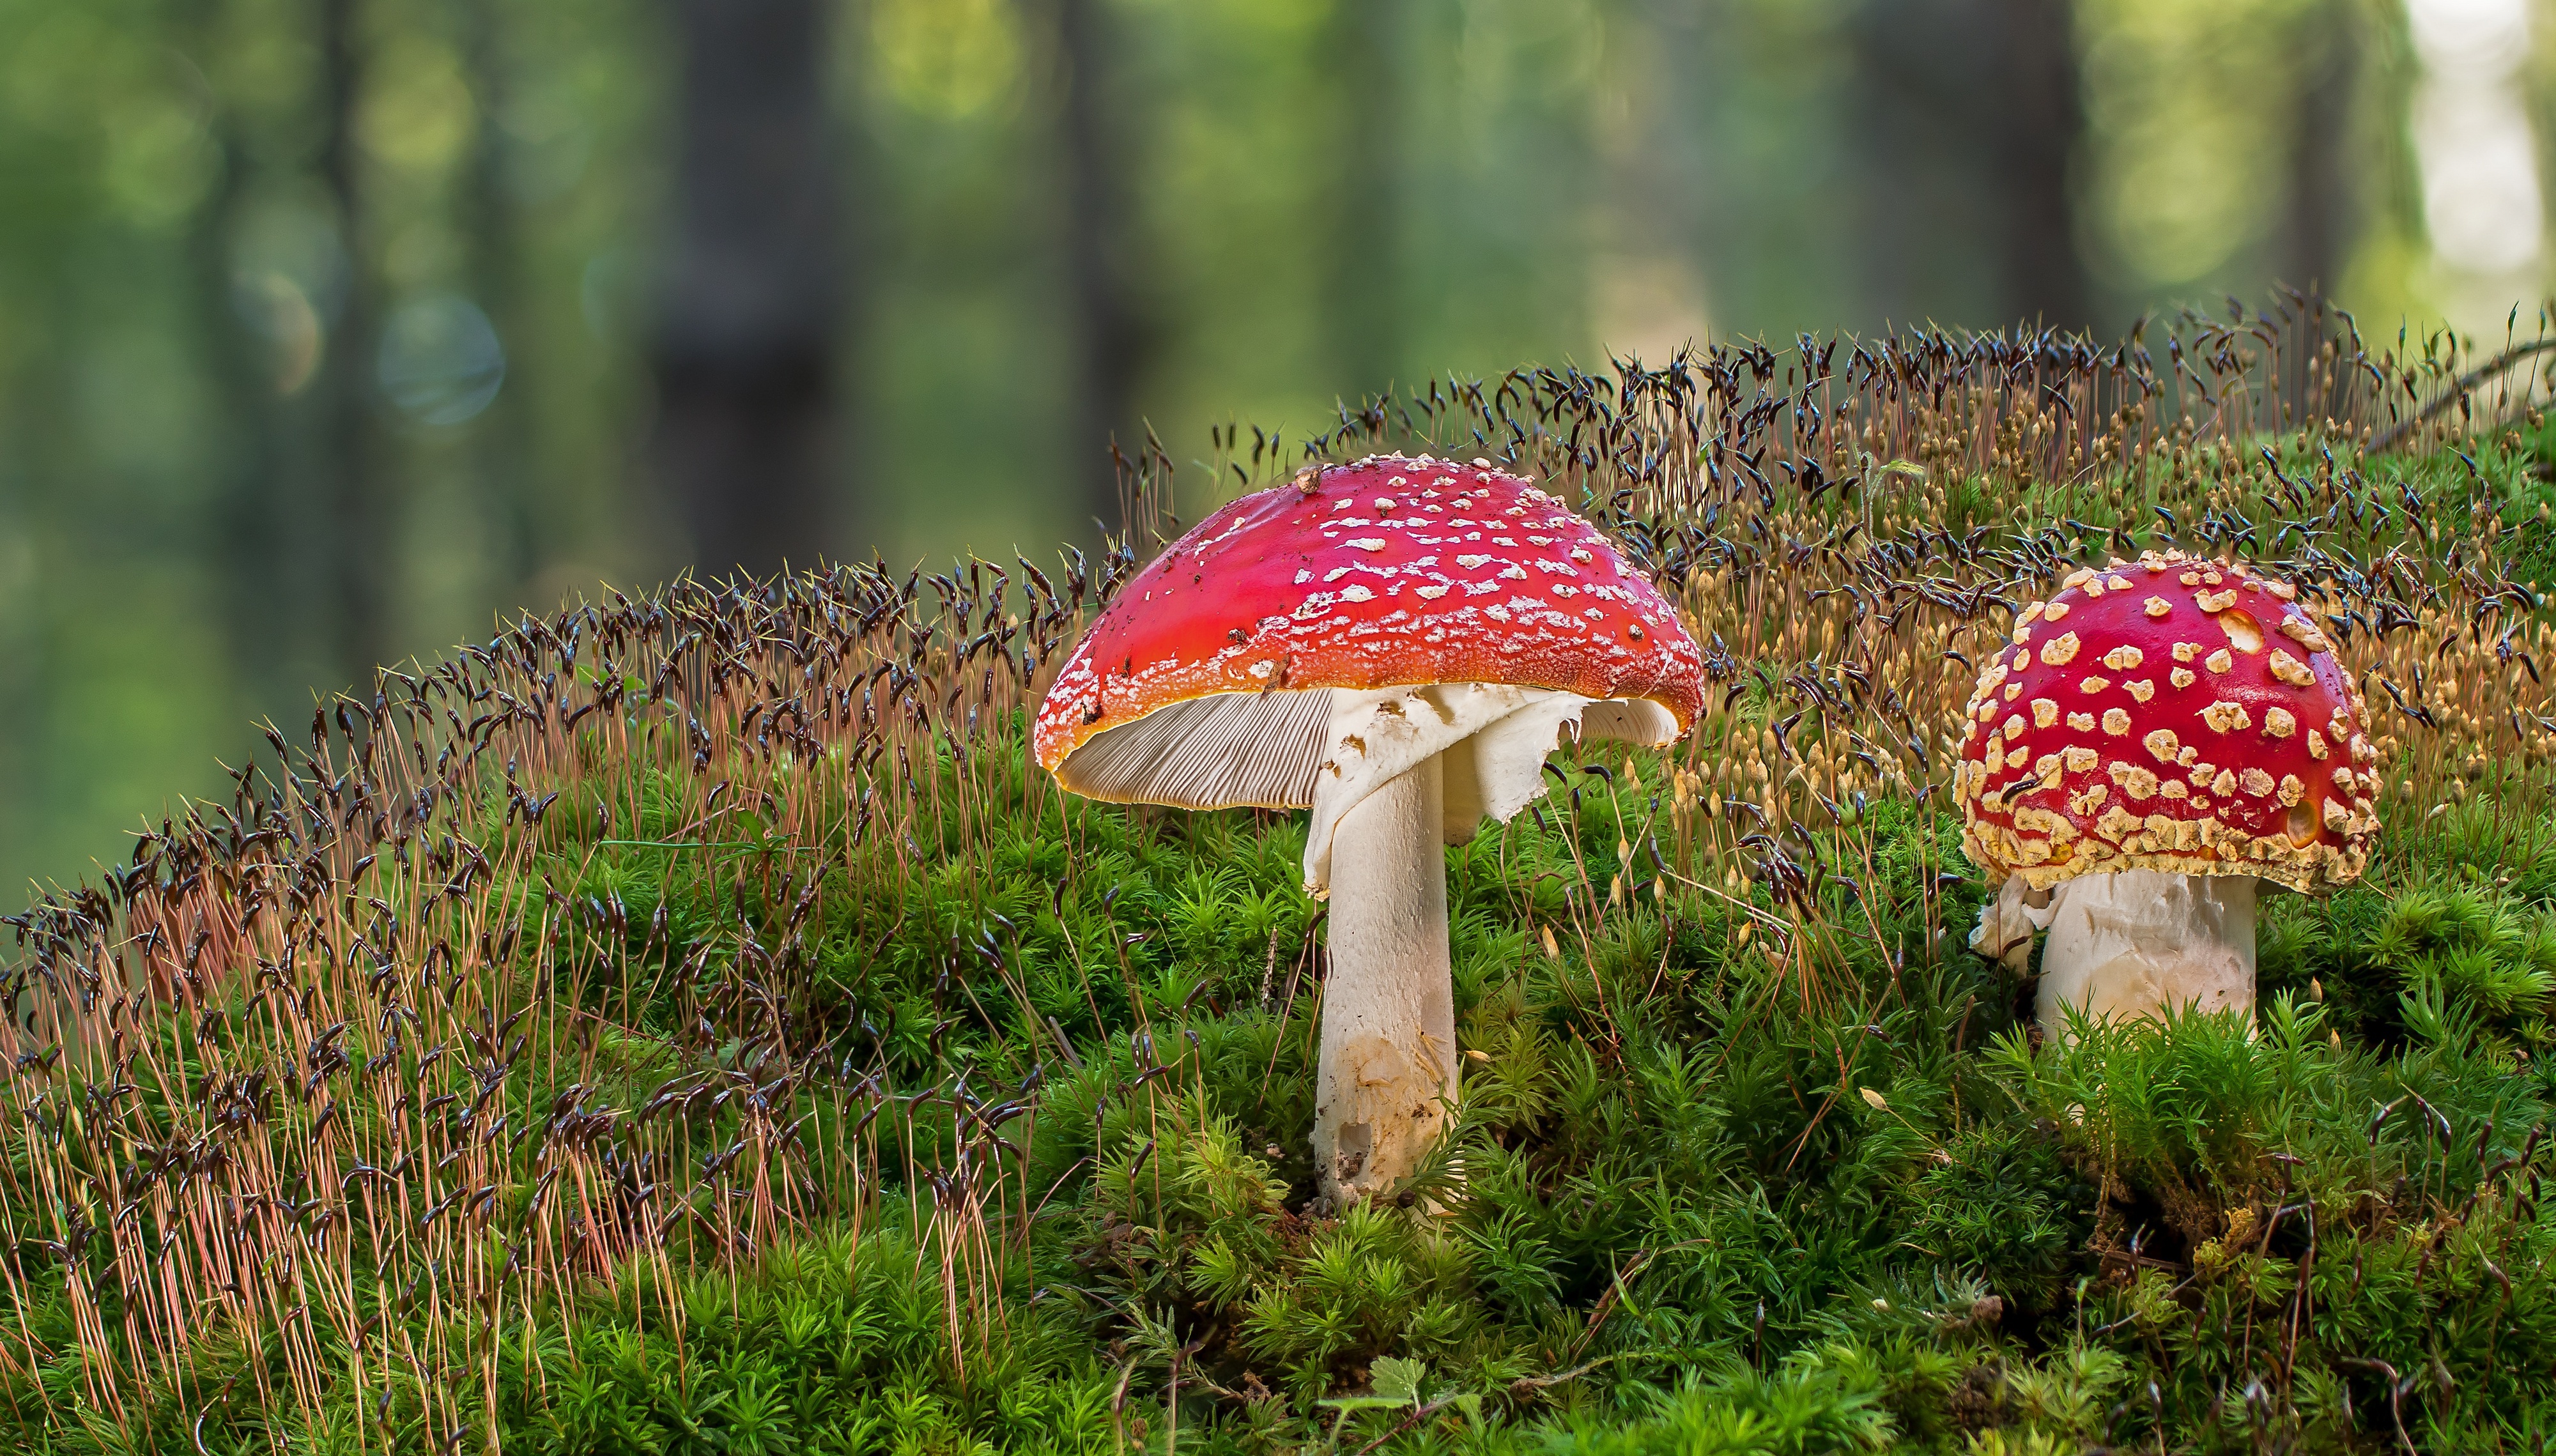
pixel 2151 742
pixel 1395 645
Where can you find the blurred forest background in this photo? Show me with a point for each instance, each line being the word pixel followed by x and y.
pixel 330 328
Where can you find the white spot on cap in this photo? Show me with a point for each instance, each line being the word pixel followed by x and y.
pixel 2226 716
pixel 1368 544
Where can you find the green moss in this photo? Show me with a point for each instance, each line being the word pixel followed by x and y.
pixel 1749 1219
pixel 939 1112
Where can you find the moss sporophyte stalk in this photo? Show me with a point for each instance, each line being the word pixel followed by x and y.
pixel 698 1021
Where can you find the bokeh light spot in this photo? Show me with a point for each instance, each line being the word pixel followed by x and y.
pixel 441 362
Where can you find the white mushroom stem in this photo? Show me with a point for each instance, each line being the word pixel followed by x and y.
pixel 1387 1075
pixel 1407 770
pixel 2131 944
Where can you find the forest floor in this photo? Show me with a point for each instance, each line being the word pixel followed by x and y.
pixel 1714 1189
pixel 726 1040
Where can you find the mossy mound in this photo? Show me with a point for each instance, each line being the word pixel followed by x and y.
pixel 690 1024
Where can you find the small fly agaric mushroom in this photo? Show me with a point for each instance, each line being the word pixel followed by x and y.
pixel 1395 645
pixel 2153 740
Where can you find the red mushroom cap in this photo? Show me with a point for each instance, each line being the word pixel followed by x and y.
pixel 1388 572
pixel 2173 714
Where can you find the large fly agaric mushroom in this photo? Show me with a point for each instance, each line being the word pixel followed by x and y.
pixel 1395 645
pixel 2154 739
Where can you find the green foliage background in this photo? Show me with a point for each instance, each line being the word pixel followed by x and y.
pixel 1568 178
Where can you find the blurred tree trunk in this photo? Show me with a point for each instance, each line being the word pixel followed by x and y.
pixel 248 534
pixel 1973 111
pixel 2319 225
pixel 501 439
pixel 351 465
pixel 1365 50
pixel 1111 336
pixel 2038 125
pixel 747 324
